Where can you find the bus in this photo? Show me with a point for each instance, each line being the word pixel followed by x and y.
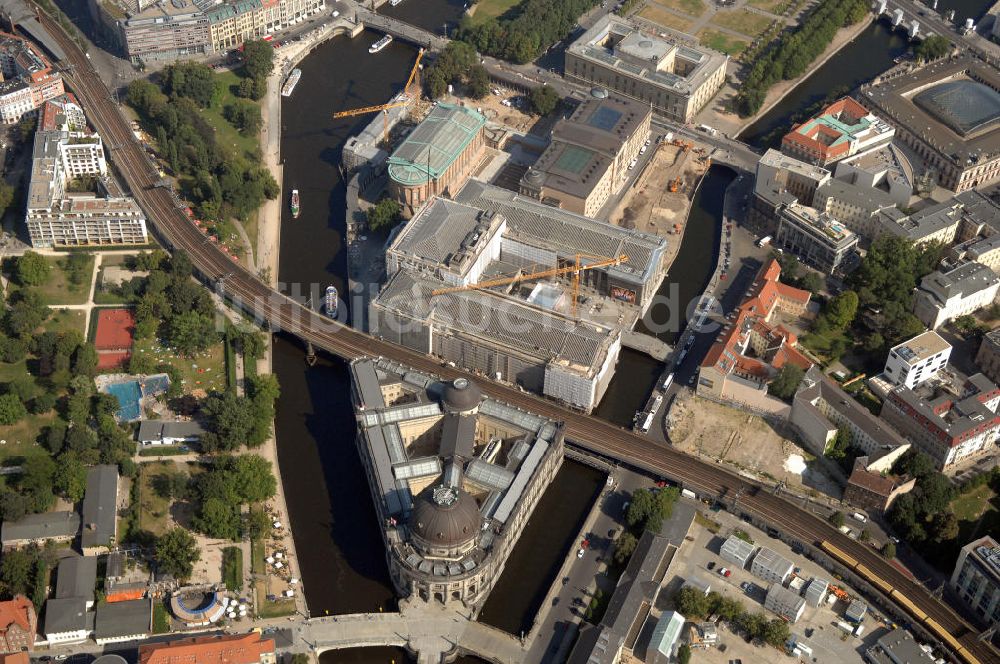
pixel 667 382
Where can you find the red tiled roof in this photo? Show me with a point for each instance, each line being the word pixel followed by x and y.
pixel 873 482
pixel 114 329
pixel 15 658
pixel 16 611
pixel 237 649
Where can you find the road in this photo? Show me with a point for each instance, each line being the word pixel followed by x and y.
pixel 279 312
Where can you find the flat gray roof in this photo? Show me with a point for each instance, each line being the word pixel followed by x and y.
pixel 41 526
pixel 869 198
pixel 963 280
pixel 100 509
pixel 443 230
pixel 66 615
pixel 898 646
pixel 121 619
pixel 76 577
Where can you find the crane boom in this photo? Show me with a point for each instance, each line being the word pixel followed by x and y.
pixel 384 107
pixel 555 272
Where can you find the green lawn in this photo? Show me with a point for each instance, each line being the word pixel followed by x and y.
pixel 58 290
pixel 154 510
pixel 232 568
pixel 722 42
pixel 202 372
pixel 161 618
pixel 487 9
pixel 972 505
pixel 742 21
pixel 225 133
pixel 691 7
pixel 18 440
pixel 63 320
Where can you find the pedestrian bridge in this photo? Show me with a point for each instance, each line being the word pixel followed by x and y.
pixel 434 634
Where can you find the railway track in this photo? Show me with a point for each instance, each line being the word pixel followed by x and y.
pixel 244 289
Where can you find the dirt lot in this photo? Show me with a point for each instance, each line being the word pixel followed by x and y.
pixel 649 205
pixel 746 442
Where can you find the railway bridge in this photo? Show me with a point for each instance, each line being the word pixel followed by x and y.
pixel 280 312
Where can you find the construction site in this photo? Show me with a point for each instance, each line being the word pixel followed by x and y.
pixel 659 200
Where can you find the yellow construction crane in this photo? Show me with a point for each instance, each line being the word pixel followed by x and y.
pixel 575 270
pixel 385 107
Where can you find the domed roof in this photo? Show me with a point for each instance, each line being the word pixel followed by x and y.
pixel 534 176
pixel 599 92
pixel 460 395
pixel 444 516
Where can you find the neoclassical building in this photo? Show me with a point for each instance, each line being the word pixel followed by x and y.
pixel 454 477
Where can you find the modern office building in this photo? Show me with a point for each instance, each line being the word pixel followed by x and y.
pixel 842 129
pixel 976 578
pixel 588 158
pixel 165 31
pixel 988 359
pixel 64 208
pixel 820 409
pixel 950 292
pixel 787 604
pixel 952 424
pixel 816 238
pixel 919 359
pixel 676 78
pixel 771 566
pixel 27 80
pixel 782 173
pixel 437 157
pixel 948 112
pixel 454 477
pixel 751 351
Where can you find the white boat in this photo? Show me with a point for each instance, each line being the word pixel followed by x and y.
pixel 330 302
pixel 291 82
pixel 380 44
pixel 393 3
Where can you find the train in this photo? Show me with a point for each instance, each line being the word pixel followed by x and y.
pixel 902 600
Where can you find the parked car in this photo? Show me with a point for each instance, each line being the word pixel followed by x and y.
pixel 724 571
pixel 711 565
pixel 579 553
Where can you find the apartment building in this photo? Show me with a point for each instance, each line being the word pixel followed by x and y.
pixel 27 80
pixel 70 201
pixel 676 78
pixel 950 292
pixel 976 578
pixel 917 360
pixel 951 423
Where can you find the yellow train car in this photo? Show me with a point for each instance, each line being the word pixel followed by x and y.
pixel 910 607
pixel 873 579
pixel 839 555
pixel 950 641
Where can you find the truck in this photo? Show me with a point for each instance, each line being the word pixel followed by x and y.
pixel 764 241
pixel 667 382
pixel 688 493
pixel 711 131
pixel 647 422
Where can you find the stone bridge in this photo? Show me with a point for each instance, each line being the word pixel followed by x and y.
pixel 434 634
pixel 400 29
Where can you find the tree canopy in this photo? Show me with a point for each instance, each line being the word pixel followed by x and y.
pixel 786 382
pixel 32 269
pixel 932 48
pixel 177 552
pixel 384 215
pixel 648 509
pixel 543 99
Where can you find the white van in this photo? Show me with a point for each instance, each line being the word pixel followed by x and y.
pixel 860 517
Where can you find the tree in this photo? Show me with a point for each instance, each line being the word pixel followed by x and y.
pixel 776 632
pixel 12 409
pixel 786 382
pixel 192 80
pixel 16 572
pixel 684 654
pixel 479 82
pixel 300 658
pixel 85 360
pixel 543 100
pixel 914 463
pixel 944 526
pixel 384 215
pixel 244 115
pixel 837 519
pixel 811 282
pixel 840 311
pixel 888 550
pixel 252 476
pixel 26 313
pixel 6 197
pixel 648 510
pixel 256 524
pixel 691 603
pixel 624 547
pixel 177 552
pixel 932 48
pixel 258 58
pixel 32 269
pixel 865 535
pixel 43 403
pixel 192 332
pixel 70 477
pixel 217 518
pixel 232 421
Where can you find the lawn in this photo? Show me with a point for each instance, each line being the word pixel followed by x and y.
pixel 777 7
pixel 971 506
pixel 206 371
pixel 161 618
pixel 225 133
pixel 64 320
pixel 232 568
pixel 277 609
pixel 487 9
pixel 18 440
pixel 662 17
pixel 154 510
pixel 742 21
pixel 58 289
pixel 722 42
pixel 691 7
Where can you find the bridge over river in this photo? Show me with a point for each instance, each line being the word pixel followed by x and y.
pixel 280 312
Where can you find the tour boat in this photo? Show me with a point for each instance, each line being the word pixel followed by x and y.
pixel 291 82
pixel 394 2
pixel 330 302
pixel 295 204
pixel 380 44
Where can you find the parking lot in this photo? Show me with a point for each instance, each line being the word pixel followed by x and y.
pixel 817 626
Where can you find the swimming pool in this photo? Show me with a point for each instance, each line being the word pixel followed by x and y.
pixel 129 395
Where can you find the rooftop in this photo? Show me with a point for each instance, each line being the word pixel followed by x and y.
pixel 123 619
pixel 674 65
pixel 100 505
pixel 820 224
pixel 960 281
pixel 940 117
pixel 951 411
pixel 533 223
pixel 776 159
pixel 898 646
pixel 986 550
pixel 157 430
pixel 235 649
pixel 867 198
pixel 77 577
pixel 434 144
pixel 67 615
pixel 18 611
pixel 839 130
pixel 921 347
pixel 41 526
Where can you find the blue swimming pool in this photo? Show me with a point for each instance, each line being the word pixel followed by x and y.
pixel 129 395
